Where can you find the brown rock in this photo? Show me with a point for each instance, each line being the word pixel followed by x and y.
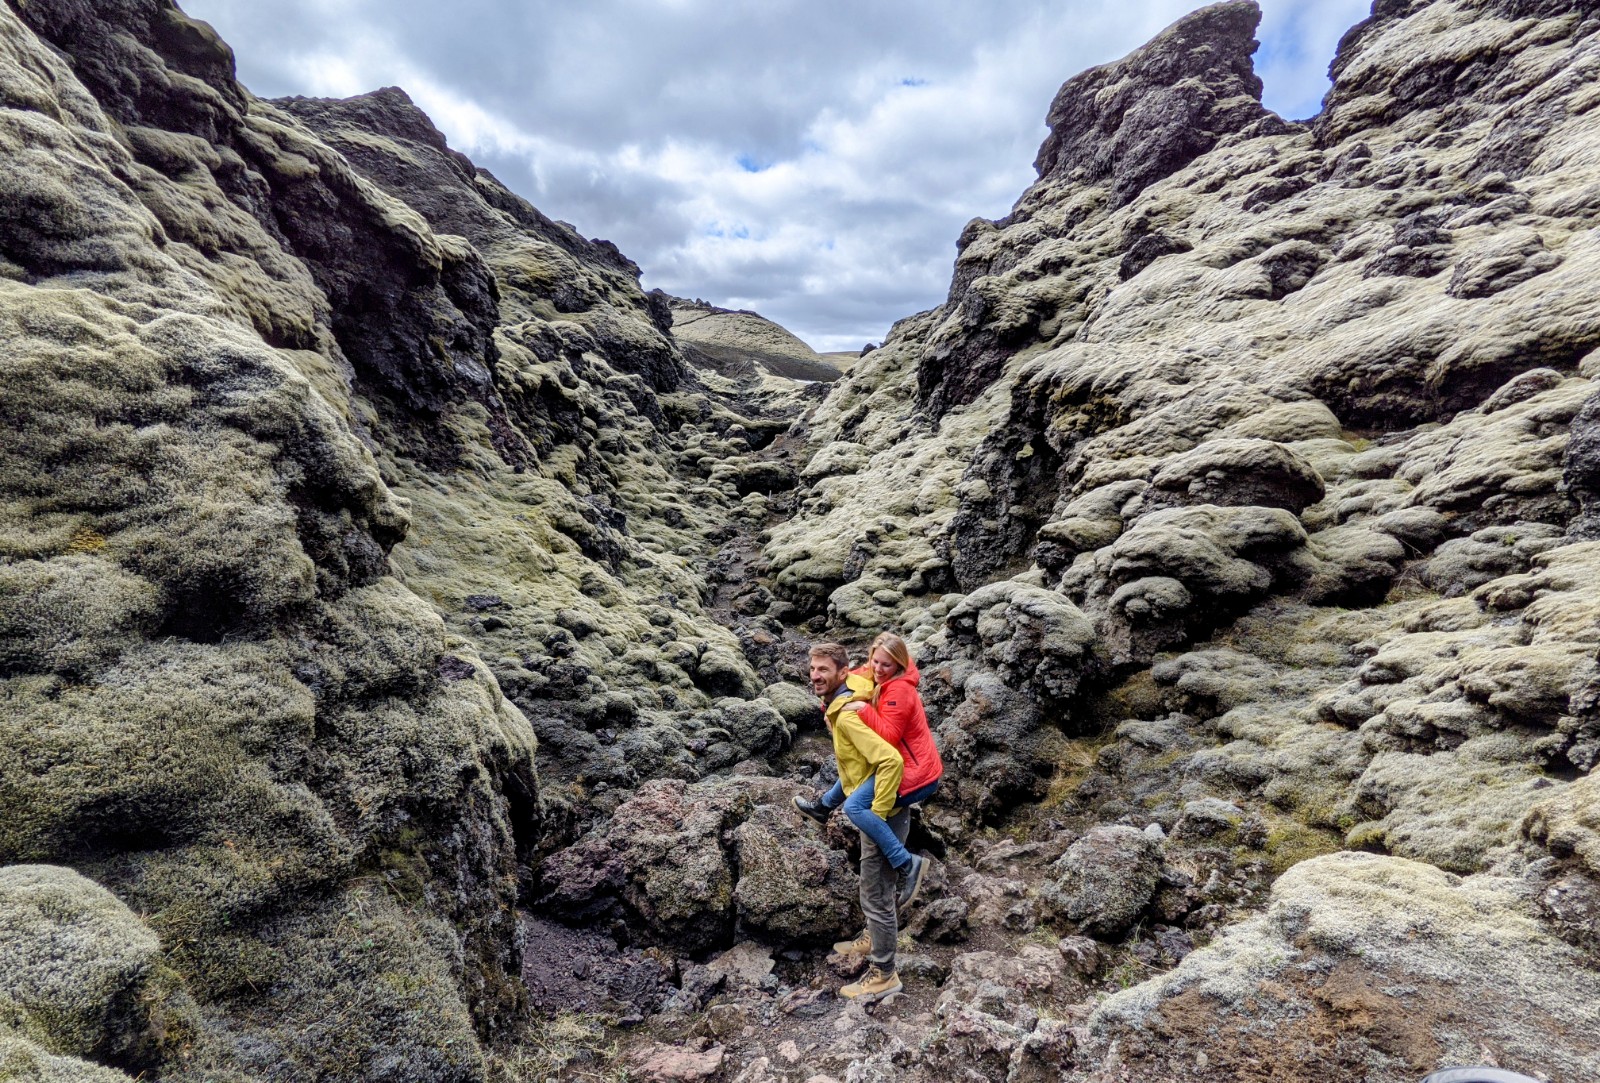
pixel 675 1063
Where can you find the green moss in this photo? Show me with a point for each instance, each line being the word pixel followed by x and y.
pixel 1137 697
pixel 80 974
pixel 85 540
pixel 1074 765
pixel 25 1061
pixel 72 614
pixel 1288 843
pixel 367 977
pixel 1371 835
pixel 405 874
pixel 225 965
pixel 143 751
pixel 1409 588
pixel 573 1046
pixel 403 984
pixel 214 699
pixel 1126 974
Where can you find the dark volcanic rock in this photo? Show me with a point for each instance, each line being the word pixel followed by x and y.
pixel 1152 113
pixel 1106 879
pixel 1146 250
pixel 1581 469
pixel 416 165
pixel 997 746
pixel 584 970
pixel 684 864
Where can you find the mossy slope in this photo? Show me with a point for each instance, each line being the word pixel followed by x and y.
pixel 321 445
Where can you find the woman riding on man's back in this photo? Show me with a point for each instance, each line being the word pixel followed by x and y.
pixel 887 760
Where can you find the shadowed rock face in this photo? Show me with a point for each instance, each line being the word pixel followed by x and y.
pixel 413 319
pixel 1581 473
pixel 414 165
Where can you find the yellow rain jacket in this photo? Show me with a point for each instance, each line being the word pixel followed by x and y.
pixel 861 753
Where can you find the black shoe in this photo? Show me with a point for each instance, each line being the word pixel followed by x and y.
pixel 814 809
pixel 912 882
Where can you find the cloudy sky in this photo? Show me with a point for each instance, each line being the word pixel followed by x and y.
pixel 813 160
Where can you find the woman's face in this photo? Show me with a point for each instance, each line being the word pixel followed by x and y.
pixel 883 667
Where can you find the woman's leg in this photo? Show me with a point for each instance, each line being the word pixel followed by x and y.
pixel 834 797
pixel 916 796
pixel 858 806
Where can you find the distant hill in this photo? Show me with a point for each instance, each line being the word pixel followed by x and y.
pixel 738 342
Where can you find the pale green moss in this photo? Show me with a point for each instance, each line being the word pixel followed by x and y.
pixel 23 1061
pixel 80 971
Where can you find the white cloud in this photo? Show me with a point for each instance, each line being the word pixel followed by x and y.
pixel 812 159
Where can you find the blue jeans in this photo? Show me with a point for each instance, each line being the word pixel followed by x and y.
pixel 858 807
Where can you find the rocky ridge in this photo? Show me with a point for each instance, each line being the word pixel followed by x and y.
pixel 1239 502
pixel 743 343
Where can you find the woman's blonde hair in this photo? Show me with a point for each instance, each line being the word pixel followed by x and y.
pixel 895 648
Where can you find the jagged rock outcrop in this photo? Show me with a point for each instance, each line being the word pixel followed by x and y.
pixel 1114 131
pixel 687 866
pixel 1143 118
pixel 550 270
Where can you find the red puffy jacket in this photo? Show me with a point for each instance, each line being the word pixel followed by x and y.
pixel 897 716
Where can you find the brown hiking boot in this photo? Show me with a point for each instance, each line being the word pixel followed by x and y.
pixel 861 945
pixel 878 984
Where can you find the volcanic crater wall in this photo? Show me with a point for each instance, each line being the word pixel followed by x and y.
pixel 337 478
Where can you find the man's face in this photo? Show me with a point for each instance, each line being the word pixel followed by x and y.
pixel 825 676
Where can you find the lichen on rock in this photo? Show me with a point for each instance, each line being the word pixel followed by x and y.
pixel 1339 944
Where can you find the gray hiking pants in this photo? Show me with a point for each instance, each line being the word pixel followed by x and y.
pixel 879 884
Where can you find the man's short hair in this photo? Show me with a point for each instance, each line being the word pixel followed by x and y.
pixel 833 652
